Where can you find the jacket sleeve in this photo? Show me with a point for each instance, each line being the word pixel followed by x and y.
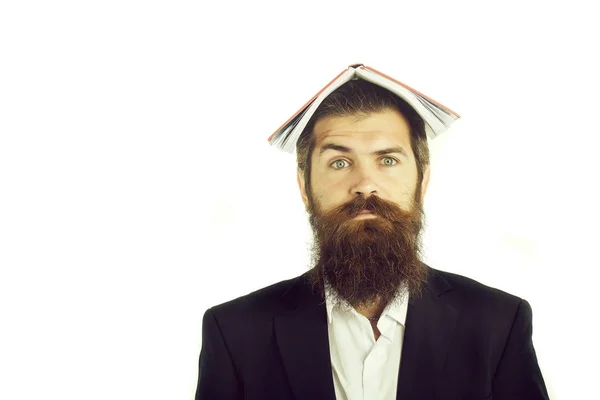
pixel 217 378
pixel 518 376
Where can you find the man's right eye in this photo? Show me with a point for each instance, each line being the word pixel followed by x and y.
pixel 338 164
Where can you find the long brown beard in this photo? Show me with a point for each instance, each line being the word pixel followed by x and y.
pixel 367 261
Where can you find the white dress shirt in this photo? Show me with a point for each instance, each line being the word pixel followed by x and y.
pixel 363 368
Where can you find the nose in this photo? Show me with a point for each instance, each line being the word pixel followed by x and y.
pixel 365 184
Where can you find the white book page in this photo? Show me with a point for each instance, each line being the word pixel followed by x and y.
pixel 430 118
pixel 290 141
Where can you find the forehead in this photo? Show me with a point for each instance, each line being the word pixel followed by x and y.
pixel 387 127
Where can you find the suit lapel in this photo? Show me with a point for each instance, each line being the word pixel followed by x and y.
pixel 303 342
pixel 429 324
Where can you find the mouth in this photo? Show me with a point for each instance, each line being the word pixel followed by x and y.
pixel 365 214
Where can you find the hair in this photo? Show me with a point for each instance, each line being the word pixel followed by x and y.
pixel 360 97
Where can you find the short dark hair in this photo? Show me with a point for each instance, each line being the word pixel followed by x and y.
pixel 360 97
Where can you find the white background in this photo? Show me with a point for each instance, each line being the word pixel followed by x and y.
pixel 137 187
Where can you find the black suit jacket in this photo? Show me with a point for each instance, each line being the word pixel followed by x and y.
pixel 462 340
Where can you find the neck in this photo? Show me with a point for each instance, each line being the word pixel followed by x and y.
pixel 370 310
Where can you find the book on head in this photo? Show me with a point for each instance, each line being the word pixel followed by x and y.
pixel 437 117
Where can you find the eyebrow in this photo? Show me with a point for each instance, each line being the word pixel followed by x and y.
pixel 344 149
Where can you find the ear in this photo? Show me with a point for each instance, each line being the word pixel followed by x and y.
pixel 301 185
pixel 424 182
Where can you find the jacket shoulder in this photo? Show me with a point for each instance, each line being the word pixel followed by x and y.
pixel 266 300
pixel 470 291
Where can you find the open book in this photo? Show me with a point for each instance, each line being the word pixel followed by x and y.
pixel 437 117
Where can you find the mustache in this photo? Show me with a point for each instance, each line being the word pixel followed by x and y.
pixel 374 204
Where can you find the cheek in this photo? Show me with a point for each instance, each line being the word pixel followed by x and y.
pixel 399 189
pixel 326 197
pixel 405 199
pixel 405 195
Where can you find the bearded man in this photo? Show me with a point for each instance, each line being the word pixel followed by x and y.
pixel 369 320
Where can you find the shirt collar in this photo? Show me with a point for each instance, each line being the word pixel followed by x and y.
pixel 329 303
pixel 396 309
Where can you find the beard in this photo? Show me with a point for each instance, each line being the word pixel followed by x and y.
pixel 367 261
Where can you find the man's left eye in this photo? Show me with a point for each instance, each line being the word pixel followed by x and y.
pixel 389 161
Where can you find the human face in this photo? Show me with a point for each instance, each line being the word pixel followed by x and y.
pixel 363 155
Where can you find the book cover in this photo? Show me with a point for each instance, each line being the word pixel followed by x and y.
pixel 437 117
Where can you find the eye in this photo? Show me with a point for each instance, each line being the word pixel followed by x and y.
pixel 389 161
pixel 338 164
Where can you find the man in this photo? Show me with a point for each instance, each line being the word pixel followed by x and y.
pixel 369 320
